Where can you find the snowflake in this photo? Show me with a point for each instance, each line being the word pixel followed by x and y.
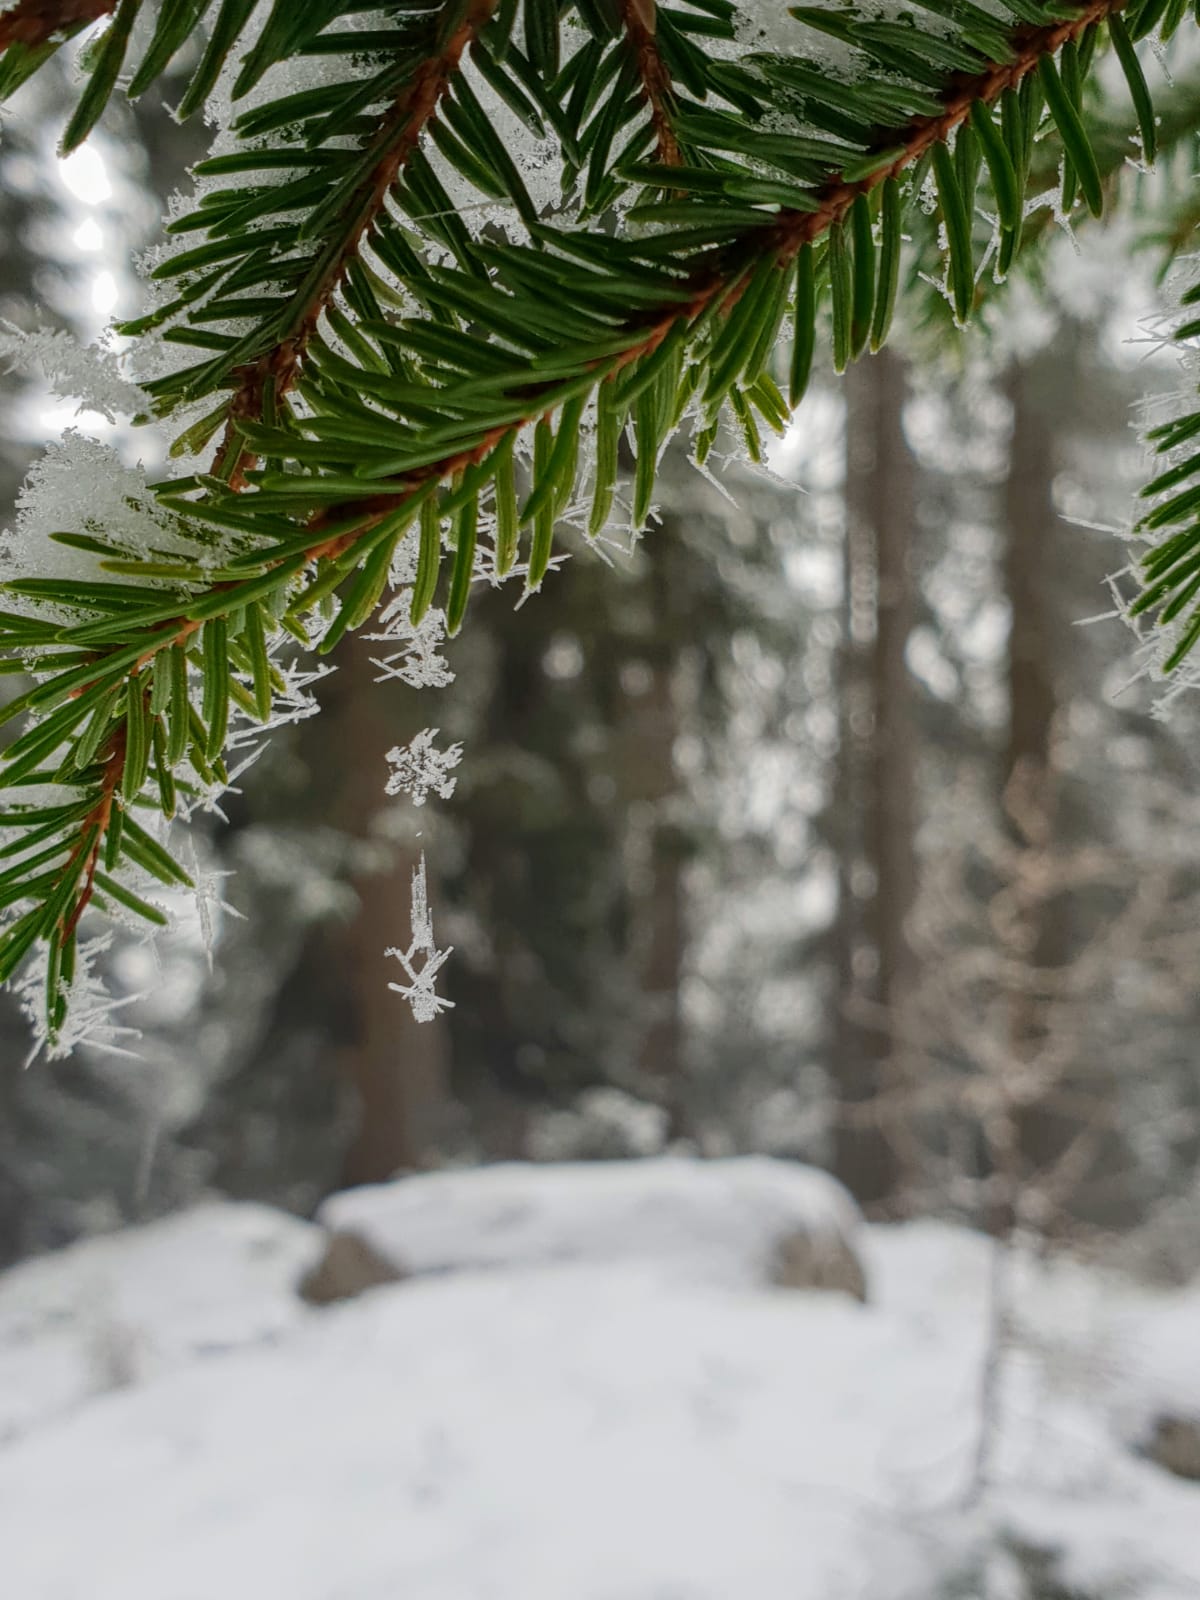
pixel 420 768
pixel 419 991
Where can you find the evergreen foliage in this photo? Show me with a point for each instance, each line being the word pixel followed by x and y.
pixel 395 355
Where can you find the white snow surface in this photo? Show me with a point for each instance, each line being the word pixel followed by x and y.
pixel 711 1222
pixel 113 1312
pixel 590 1424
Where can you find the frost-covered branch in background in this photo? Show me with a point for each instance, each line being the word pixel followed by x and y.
pixel 1168 575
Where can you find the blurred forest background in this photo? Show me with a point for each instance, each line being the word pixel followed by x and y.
pixel 814 826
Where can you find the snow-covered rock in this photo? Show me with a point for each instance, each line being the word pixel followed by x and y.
pixel 348 1266
pixel 111 1312
pixel 599 1415
pixel 743 1222
pixel 512 1435
pixel 1157 1408
pixel 1175 1445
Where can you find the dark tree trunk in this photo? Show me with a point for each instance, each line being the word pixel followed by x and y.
pixel 396 1066
pixel 657 901
pixel 1037 1133
pixel 341 1085
pixel 874 782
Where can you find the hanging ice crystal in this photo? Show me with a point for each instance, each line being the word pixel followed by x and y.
pixel 209 901
pixel 422 960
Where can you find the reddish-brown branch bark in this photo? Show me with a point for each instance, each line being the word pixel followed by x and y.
pixel 35 22
pixel 796 228
pixel 394 143
pixel 640 19
pixel 93 829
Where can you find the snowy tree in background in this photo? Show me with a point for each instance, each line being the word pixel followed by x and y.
pixel 442 261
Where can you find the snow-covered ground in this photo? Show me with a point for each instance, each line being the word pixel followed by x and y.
pixel 578 1394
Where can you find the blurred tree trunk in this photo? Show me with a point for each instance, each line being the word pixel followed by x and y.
pixel 1035 932
pixel 658 909
pixel 1030 524
pixel 338 1084
pixel 874 779
pixel 396 1067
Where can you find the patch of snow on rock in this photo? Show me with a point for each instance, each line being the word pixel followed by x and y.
pixel 716 1222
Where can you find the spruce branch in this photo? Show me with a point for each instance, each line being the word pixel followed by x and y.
pixel 1032 46
pixel 387 152
pixel 393 360
pixel 1177 123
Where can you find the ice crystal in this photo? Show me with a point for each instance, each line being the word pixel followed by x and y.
pixel 81 485
pixel 418 662
pixel 91 1012
pixel 293 702
pixel 419 768
pixel 422 961
pixel 209 901
pixel 90 373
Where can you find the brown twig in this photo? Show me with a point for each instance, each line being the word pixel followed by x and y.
pixel 1030 45
pixel 35 22
pixel 93 830
pixel 640 21
pixel 392 145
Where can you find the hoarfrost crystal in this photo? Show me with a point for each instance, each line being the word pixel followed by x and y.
pixel 419 768
pixel 90 373
pixel 422 961
pixel 209 901
pixel 81 485
pixel 91 1010
pixel 418 662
